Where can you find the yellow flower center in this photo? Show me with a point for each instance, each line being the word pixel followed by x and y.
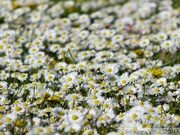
pixel 161 82
pixel 17 108
pixel 66 85
pixel 134 128
pixel 167 44
pixel 89 116
pixel 22 75
pixel 105 105
pixel 74 117
pixel 96 101
pixel 150 110
pixel 134 115
pixel 8 119
pixel 120 115
pixel 160 108
pixel 80 66
pixel 49 77
pixel 156 90
pixel 121 133
pixel 123 82
pixel 74 97
pixel 112 78
pixel 148 116
pixel 2 108
pixel 38 130
pixel 93 96
pixel 162 122
pixel 69 79
pixel 100 119
pixel 178 118
pixel 89 132
pixel 109 70
pixel 48 130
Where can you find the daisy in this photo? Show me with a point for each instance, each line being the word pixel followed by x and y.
pixel 124 79
pixel 175 35
pixel 101 121
pixel 84 20
pixel 70 78
pixel 9 118
pixel 117 38
pixel 88 132
pixel 58 111
pixel 69 4
pixel 162 37
pixel 2 48
pixel 3 100
pixel 33 50
pixel 35 76
pixel 74 97
pixel 108 103
pixel 157 90
pixel 38 130
pixel 48 130
pixel 38 62
pixel 22 76
pixel 18 109
pixel 73 16
pixel 148 53
pixel 176 68
pixel 95 26
pixel 51 35
pixel 54 48
pixel 165 15
pixel 22 39
pixel 83 34
pixel 65 22
pixel 60 66
pixel 111 78
pixel 96 100
pixel 109 114
pixel 161 82
pixel 44 92
pixel 49 77
pixel 4 75
pixel 110 68
pixel 63 38
pixel 144 42
pixel 35 17
pixel 74 118
pixel 108 19
pixel 167 44
pixel 105 33
pixel 81 65
pixel 65 86
pixel 56 10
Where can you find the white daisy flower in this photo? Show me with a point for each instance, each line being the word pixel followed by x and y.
pixel 161 82
pixel 144 42
pixel 167 44
pixel 117 38
pixel 110 68
pixel 22 76
pixel 124 79
pixel 9 118
pixel 162 37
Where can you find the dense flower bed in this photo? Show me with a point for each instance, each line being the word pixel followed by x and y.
pixel 89 67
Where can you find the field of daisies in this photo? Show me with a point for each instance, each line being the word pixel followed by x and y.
pixel 89 67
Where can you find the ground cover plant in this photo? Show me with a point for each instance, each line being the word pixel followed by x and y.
pixel 99 67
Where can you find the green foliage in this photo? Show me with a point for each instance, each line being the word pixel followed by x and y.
pixel 176 3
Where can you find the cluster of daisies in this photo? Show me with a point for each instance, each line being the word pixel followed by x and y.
pixel 89 67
